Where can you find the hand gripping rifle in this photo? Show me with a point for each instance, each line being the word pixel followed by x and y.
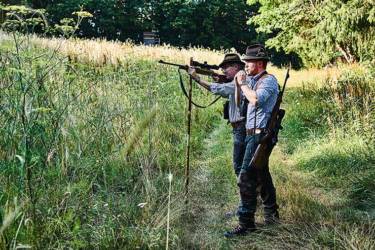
pixel 269 140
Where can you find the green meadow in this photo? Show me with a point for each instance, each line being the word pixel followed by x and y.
pixel 91 130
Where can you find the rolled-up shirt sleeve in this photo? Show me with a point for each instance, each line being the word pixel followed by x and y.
pixel 266 88
pixel 222 89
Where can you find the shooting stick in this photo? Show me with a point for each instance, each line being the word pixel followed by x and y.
pixel 187 167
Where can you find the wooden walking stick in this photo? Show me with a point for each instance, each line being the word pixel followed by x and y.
pixel 187 167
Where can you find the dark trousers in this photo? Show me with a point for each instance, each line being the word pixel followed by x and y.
pixel 239 146
pixel 248 181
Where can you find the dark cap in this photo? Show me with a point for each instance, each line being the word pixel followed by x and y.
pixel 256 52
pixel 231 58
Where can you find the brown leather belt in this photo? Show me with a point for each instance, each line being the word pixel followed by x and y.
pixel 255 131
pixel 237 124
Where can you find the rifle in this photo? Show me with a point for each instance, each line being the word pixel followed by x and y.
pixel 201 68
pixel 269 140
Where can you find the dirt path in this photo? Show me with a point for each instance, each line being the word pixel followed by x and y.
pixel 311 216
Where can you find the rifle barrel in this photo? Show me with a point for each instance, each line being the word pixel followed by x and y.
pixel 199 70
pixel 174 64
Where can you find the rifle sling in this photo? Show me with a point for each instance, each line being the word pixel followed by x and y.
pixel 187 96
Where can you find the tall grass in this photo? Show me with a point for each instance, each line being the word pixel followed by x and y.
pixel 100 52
pixel 330 128
pixel 323 168
pixel 68 125
pixel 90 128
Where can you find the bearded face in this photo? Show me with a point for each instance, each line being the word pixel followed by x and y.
pixel 254 67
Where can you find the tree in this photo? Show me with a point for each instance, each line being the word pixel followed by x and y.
pixel 216 24
pixel 319 31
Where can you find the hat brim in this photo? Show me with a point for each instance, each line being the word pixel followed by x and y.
pixel 230 62
pixel 255 58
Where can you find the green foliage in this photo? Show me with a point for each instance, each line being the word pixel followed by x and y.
pixel 329 130
pixel 320 32
pixel 27 20
pixel 66 26
pixel 336 154
pixel 62 152
pixel 362 189
pixel 215 24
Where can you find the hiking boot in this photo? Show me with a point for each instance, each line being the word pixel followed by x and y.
pixel 239 231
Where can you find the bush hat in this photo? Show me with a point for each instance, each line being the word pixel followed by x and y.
pixel 256 52
pixel 231 58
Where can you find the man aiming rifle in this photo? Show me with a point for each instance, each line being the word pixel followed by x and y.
pixel 231 65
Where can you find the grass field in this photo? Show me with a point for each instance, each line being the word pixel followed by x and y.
pixel 101 52
pixel 92 129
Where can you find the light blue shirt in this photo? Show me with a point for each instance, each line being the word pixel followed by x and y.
pixel 226 90
pixel 267 90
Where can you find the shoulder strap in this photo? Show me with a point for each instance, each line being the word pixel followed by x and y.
pixel 262 76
